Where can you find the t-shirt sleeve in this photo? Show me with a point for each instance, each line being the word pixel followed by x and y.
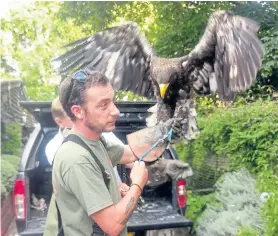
pixel 87 184
pixel 114 148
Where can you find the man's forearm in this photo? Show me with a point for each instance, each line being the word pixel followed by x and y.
pixel 126 206
pixel 119 213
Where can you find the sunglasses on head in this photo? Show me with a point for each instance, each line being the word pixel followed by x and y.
pixel 81 76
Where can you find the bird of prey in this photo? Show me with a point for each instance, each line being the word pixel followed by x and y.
pixel 225 61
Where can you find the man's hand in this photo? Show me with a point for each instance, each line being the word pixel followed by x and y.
pixel 123 189
pixel 139 174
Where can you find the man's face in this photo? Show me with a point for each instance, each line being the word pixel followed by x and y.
pixel 100 110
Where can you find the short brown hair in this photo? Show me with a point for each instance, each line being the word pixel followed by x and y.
pixel 57 109
pixel 72 92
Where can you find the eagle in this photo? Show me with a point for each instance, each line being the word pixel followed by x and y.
pixel 225 61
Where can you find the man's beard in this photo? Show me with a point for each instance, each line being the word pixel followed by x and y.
pixel 90 125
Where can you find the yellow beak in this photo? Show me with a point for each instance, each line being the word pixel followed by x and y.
pixel 163 89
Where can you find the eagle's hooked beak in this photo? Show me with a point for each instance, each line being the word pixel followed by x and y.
pixel 163 89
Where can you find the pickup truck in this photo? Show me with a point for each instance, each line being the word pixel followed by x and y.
pixel 165 200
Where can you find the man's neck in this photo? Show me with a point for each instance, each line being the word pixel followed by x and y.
pixel 85 131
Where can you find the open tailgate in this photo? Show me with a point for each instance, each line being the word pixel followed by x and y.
pixel 158 214
pixel 154 214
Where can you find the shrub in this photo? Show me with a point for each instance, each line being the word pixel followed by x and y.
pixel 197 204
pixel 242 136
pixel 11 139
pixel 268 182
pixel 9 167
pixel 246 135
pixel 238 210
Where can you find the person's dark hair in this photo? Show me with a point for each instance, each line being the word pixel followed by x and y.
pixel 72 92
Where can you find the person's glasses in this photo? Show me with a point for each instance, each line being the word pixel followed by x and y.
pixel 81 75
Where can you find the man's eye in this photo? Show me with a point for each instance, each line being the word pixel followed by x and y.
pixel 103 105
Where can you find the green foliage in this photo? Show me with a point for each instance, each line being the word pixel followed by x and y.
pixel 10 151
pixel 247 135
pixel 128 96
pixel 168 25
pixel 247 231
pixel 11 139
pixel 268 182
pixel 197 204
pixel 32 37
pixel 95 14
pixel 238 208
pixel 9 166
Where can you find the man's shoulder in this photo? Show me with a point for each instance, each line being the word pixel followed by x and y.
pixel 71 152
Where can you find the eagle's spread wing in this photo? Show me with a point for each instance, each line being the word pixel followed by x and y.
pixel 122 53
pixel 228 56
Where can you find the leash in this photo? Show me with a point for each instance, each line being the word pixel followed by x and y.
pixel 167 136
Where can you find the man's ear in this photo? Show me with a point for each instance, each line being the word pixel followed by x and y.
pixel 78 112
pixel 58 121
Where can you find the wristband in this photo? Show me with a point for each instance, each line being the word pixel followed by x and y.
pixel 137 186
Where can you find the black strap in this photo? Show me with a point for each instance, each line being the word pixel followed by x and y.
pixel 60 226
pixel 76 139
pixel 106 176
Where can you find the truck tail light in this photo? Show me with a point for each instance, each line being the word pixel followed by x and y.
pixel 19 199
pixel 182 196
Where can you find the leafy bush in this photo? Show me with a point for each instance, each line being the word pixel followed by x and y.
pixel 9 167
pixel 247 135
pixel 268 182
pixel 11 139
pixel 11 146
pixel 197 204
pixel 238 210
pixel 243 136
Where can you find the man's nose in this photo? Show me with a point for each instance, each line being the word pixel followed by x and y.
pixel 115 111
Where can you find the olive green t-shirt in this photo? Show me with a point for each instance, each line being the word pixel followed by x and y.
pixel 79 186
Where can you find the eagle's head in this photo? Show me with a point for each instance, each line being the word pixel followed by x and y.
pixel 167 73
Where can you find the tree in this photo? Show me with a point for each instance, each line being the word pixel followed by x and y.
pixel 36 33
pixel 33 35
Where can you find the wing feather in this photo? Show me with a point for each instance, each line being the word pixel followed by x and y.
pixel 118 52
pixel 231 46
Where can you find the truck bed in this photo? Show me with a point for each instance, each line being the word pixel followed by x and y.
pixel 154 214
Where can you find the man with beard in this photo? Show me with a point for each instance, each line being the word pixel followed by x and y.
pixel 84 200
pixel 84 184
pixel 65 124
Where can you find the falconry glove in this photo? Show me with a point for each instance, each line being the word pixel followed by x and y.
pixel 176 125
pixel 173 169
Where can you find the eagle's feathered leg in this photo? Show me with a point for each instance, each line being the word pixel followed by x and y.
pixel 185 109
